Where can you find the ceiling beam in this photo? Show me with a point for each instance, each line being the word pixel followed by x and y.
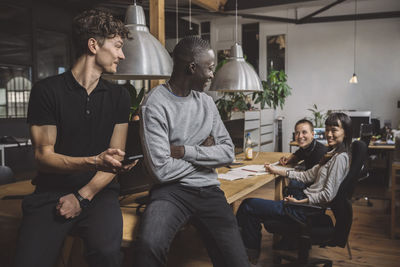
pixel 248 4
pixel 157 27
pixel 320 10
pixel 211 5
pixel 365 16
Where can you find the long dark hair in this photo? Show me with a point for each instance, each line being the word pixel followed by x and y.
pixel 345 121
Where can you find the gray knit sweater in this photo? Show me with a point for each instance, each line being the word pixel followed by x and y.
pixel 183 121
pixel 326 179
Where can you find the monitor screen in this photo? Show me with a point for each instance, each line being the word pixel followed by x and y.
pixel 235 129
pixel 358 118
pixel 137 179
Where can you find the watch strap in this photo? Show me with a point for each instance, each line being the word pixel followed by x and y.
pixel 82 201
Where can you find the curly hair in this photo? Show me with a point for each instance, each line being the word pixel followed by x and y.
pixel 95 24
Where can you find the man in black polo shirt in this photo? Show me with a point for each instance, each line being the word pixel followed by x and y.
pixel 310 150
pixel 78 124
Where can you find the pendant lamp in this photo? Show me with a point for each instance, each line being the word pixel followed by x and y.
pixel 236 75
pixel 145 57
pixel 354 79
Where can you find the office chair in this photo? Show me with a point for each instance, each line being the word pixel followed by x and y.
pixel 6 175
pixel 366 133
pixel 319 228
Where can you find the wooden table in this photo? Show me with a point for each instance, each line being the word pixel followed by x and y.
pixel 372 145
pixel 11 214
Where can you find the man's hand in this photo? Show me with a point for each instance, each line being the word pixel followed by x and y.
pixel 128 167
pixel 109 161
pixel 209 141
pixel 68 206
pixel 177 152
pixel 283 161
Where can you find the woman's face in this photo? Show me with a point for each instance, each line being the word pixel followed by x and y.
pixel 334 135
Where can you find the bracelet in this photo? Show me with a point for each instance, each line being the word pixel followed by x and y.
pixel 287 173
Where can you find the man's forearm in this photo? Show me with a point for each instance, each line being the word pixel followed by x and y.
pixel 210 156
pixel 57 163
pixel 96 184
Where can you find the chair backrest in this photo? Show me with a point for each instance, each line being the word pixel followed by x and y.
pixel 6 175
pixel 341 204
pixel 366 132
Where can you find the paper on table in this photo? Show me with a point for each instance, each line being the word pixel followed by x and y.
pixel 233 175
pixel 253 169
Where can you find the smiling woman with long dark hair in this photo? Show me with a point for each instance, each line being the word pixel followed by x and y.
pixel 325 179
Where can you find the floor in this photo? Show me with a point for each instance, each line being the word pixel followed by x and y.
pixel 369 238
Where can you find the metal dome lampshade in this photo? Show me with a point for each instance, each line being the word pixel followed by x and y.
pixel 236 75
pixel 145 56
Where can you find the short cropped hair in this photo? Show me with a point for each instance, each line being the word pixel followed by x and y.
pixel 304 121
pixel 190 48
pixel 95 24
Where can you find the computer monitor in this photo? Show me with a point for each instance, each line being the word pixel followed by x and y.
pixel 137 179
pixel 358 118
pixel 235 129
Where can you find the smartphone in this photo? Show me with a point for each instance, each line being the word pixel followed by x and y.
pixel 130 159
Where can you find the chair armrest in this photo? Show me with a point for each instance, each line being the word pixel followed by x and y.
pixel 304 205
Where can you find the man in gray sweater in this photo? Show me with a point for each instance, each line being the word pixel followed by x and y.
pixel 184 140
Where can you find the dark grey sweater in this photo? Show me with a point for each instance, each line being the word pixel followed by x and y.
pixel 183 121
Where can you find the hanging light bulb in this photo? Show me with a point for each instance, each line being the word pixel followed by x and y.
pixel 354 79
pixel 236 75
pixel 145 56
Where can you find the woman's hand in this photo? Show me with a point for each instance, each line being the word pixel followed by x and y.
pixel 283 161
pixel 290 198
pixel 271 169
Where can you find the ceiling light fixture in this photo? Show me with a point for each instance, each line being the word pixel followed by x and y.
pixel 145 57
pixel 236 75
pixel 354 79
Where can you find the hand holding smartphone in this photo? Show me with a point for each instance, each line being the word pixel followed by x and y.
pixel 130 159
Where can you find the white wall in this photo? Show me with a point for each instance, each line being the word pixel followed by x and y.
pixel 320 63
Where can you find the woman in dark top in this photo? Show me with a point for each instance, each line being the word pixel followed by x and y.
pixel 325 177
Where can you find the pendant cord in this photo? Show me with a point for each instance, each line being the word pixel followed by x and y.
pixel 236 22
pixel 176 21
pixel 355 35
pixel 190 14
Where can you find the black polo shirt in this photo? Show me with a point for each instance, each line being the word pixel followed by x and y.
pixel 85 123
pixel 311 154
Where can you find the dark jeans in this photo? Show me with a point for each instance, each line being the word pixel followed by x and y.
pixel 42 232
pixel 255 211
pixel 171 207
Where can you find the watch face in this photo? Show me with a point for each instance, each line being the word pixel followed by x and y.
pixel 84 203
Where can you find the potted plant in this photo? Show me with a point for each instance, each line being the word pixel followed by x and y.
pixel 231 102
pixel 318 116
pixel 275 90
pixel 136 99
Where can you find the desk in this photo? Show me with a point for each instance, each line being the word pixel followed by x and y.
pixel 11 214
pixel 4 146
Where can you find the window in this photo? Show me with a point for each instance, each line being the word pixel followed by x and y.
pixel 15 87
pixel 205 30
pixel 276 45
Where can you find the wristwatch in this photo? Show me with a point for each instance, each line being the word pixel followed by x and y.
pixel 83 202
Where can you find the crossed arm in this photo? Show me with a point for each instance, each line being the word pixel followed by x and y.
pixel 107 163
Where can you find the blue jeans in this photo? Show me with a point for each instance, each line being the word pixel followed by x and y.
pixel 255 211
pixel 171 207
